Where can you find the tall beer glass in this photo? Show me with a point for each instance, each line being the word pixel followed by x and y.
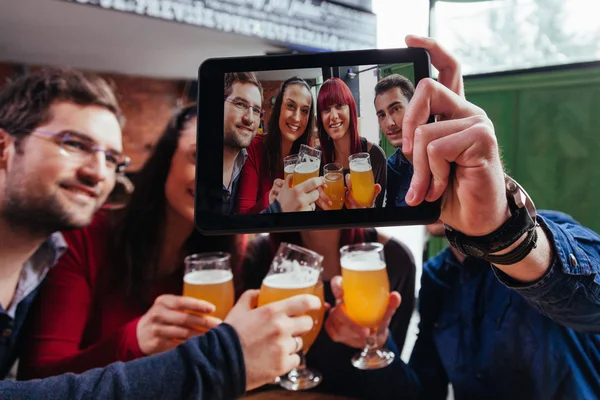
pixel 308 164
pixel 289 163
pixel 361 177
pixel 294 270
pixel 335 190
pixel 366 295
pixel 208 277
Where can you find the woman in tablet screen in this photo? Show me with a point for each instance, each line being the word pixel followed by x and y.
pixel 289 126
pixel 337 121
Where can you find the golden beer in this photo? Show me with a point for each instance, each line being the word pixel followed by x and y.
pixel 287 171
pixel 317 317
pixel 335 190
pixel 305 171
pixel 363 182
pixel 212 285
pixel 366 289
pixel 283 285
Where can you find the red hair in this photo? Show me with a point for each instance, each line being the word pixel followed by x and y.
pixel 335 91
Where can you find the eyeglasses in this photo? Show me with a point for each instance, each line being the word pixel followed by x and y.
pixel 243 106
pixel 72 145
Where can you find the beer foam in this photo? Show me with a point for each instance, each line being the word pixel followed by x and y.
pixel 296 279
pixel 208 277
pixel 333 176
pixel 307 167
pixel 360 165
pixel 362 262
pixel 289 168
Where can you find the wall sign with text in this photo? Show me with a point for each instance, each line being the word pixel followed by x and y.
pixel 315 24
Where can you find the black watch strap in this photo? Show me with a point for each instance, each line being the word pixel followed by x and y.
pixel 506 235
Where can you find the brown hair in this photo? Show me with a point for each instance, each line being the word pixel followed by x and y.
pixel 395 81
pixel 241 77
pixel 25 101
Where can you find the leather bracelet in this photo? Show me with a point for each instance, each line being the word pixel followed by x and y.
pixel 519 252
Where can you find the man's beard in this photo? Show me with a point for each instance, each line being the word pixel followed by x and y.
pixel 232 140
pixel 30 212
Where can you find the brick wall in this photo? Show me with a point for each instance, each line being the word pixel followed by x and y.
pixel 270 89
pixel 147 104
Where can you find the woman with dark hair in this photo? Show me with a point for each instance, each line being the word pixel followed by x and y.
pixel 115 294
pixel 330 358
pixel 289 126
pixel 337 121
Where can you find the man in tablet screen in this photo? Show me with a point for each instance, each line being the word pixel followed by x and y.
pixel 392 95
pixel 243 111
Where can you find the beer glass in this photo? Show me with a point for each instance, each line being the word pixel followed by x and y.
pixel 308 164
pixel 208 277
pixel 294 270
pixel 335 190
pixel 289 163
pixel 361 177
pixel 366 296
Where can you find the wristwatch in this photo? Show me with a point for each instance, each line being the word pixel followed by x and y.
pixel 522 220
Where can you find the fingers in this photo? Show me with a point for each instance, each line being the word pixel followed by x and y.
pixel 440 144
pixel 171 332
pixel 310 185
pixel 297 305
pixel 248 300
pixel 448 67
pixel 184 319
pixel 278 182
pixel 185 303
pixel 300 325
pixel 343 330
pixel 336 288
pixel 469 148
pixel 289 179
pixel 393 303
pixel 324 202
pixel 293 345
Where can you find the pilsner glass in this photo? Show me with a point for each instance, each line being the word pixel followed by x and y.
pixel 308 164
pixel 289 163
pixel 361 177
pixel 208 277
pixel 366 296
pixel 294 270
pixel 335 190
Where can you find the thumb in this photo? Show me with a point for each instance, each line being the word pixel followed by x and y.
pixel 393 303
pixel 348 182
pixel 248 300
pixel 336 288
pixel 376 189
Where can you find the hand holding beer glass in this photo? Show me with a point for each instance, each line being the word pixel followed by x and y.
pixel 362 189
pixel 289 164
pixel 366 295
pixel 208 277
pixel 295 270
pixel 333 195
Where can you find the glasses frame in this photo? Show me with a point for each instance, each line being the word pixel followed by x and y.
pixel 247 107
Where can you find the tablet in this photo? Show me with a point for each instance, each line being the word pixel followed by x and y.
pixel 308 141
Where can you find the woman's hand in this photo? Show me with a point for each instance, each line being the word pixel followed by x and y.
pixel 342 329
pixel 351 201
pixel 277 185
pixel 170 321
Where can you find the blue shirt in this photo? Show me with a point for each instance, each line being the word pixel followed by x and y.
pixel 399 174
pixel 33 273
pixel 492 338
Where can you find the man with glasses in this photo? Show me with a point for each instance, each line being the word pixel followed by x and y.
pixel 60 155
pixel 243 111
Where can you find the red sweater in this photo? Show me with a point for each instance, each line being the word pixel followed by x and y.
pixel 79 321
pixel 255 181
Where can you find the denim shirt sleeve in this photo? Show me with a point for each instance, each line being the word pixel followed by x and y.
pixel 273 208
pixel 569 292
pixel 204 367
